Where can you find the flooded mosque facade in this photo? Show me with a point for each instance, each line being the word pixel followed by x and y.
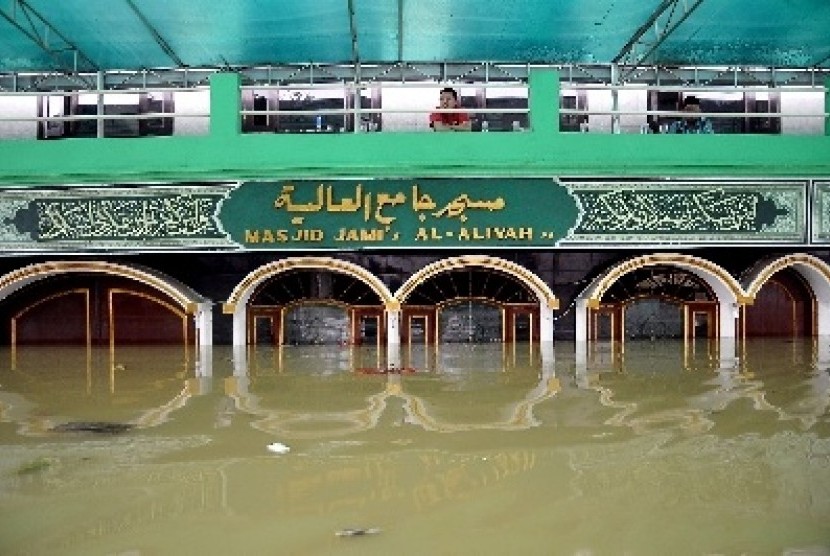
pixel 311 204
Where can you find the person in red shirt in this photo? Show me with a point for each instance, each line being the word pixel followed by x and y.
pixel 449 121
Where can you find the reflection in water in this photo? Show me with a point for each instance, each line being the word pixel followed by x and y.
pixel 486 449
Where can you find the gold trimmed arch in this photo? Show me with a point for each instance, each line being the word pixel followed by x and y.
pixel 701 267
pixel 539 287
pixel 800 259
pixel 242 290
pixel 184 297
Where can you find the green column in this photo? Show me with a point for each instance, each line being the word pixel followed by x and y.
pixel 543 99
pixel 827 106
pixel 225 104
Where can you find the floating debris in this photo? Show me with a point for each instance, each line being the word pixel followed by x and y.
pixel 98 427
pixel 278 448
pixel 356 532
pixel 36 466
pixel 386 370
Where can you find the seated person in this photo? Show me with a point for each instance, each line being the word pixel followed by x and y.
pixel 449 121
pixel 692 123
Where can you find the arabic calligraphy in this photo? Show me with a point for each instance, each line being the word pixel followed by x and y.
pixel 694 211
pixel 374 205
pixel 163 216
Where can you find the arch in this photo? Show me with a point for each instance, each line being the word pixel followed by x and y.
pixel 237 302
pixel 185 297
pixel 171 309
pixel 242 292
pixel 814 271
pixel 190 302
pixel 547 300
pixel 727 290
pixel 537 285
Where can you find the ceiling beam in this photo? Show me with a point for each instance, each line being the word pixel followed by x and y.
pixel 400 30
pixel 163 44
pixel 638 48
pixel 353 31
pixel 25 19
pixel 821 61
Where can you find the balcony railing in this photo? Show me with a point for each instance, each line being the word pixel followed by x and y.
pixel 380 106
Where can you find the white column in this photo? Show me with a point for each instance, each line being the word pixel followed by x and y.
pixel 393 327
pixel 393 338
pixel 204 323
pixel 728 317
pixel 240 360
pixel 545 323
pixel 823 318
pixel 581 342
pixel 821 290
pixel 728 353
pixel 581 363
pixel 204 361
pixel 822 355
pixel 393 356
pixel 581 316
pixel 239 325
pixel 548 359
pixel 204 352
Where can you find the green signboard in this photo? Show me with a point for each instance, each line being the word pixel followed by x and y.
pixel 464 213
pixel 349 214
pixel 112 217
pixel 690 212
pixel 821 212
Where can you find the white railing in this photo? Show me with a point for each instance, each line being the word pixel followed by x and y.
pixel 607 112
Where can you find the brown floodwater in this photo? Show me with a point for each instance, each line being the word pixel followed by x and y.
pixel 658 448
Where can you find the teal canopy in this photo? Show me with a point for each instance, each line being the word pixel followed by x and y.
pixel 88 35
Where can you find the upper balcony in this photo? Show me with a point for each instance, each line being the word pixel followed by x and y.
pixel 309 121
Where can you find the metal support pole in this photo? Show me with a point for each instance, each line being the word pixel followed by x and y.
pixel 99 86
pixel 615 98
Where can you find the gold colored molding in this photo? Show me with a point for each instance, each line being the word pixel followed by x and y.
pixel 785 262
pixel 546 296
pixel 82 291
pixel 182 315
pixel 321 263
pixel 22 276
pixel 667 259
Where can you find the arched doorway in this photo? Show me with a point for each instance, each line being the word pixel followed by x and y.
pixel 655 302
pixel 716 312
pixel 83 308
pixel 471 304
pixel 315 306
pixel 783 307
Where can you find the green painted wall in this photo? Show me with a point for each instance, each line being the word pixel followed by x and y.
pixel 543 151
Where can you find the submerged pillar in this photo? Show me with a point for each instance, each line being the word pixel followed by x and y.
pixel 545 324
pixel 727 353
pixel 204 351
pixel 581 317
pixel 204 323
pixel 728 318
pixel 393 335
pixel 239 331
